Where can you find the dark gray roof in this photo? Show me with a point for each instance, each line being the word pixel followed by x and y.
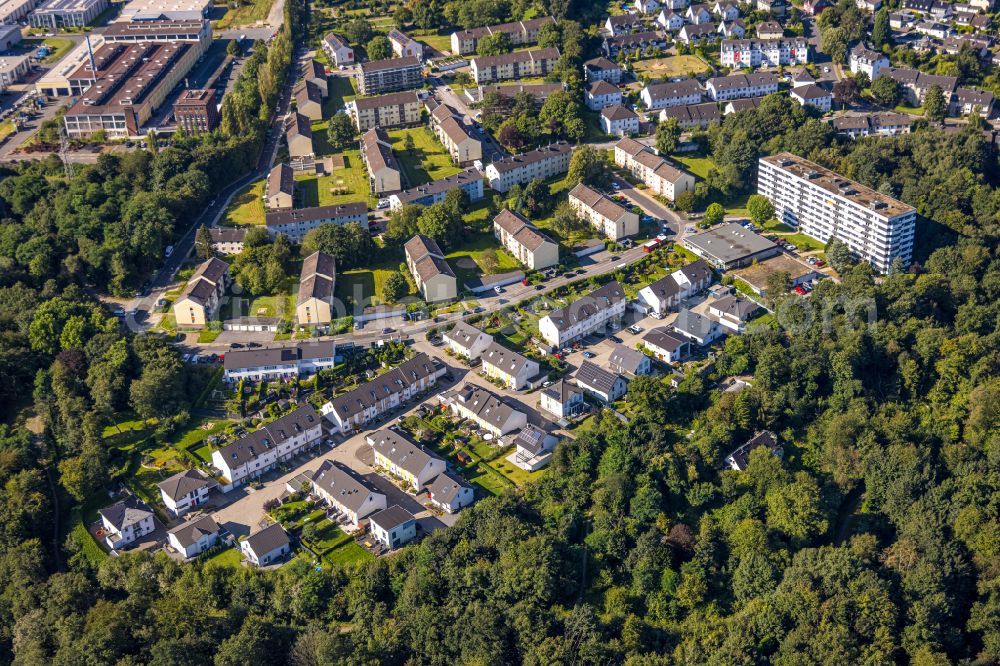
pixel 464 334
pixel 287 215
pixel 588 306
pixel 243 359
pixel 486 405
pixel 694 324
pixel 212 270
pixel 444 487
pixel 394 516
pixel 697 271
pixel 664 288
pixel 681 88
pixel 729 242
pixel 459 179
pixel 344 485
pixel 227 234
pixel 402 452
pixel 268 540
pixel 383 386
pixel 624 359
pixel 596 377
pixel 531 439
pixel 128 511
pixel 510 362
pixel 188 533
pixel 252 445
pixel 741 456
pixel 182 484
pixel 409 62
pixel 664 339
pixel 735 306
pixel 545 152
pixel 562 391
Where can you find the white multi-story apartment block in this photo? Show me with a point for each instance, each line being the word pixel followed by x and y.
pixel 619 121
pixel 764 52
pixel 432 274
pixel 296 223
pixel 261 450
pixel 384 76
pixel 814 96
pixel 601 94
pixel 521 33
pixel 515 65
pixel 676 93
pixel 522 239
pixel 735 86
pixel 454 135
pixel 392 110
pixel 544 162
pixel 607 216
pixel 863 59
pixel 584 316
pixel 658 174
pixel 824 205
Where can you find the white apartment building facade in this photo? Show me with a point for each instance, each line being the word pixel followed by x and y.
pixel 522 239
pixel 584 316
pixel 544 162
pixel 764 52
pixel 824 205
pixel 610 218
pixel 658 174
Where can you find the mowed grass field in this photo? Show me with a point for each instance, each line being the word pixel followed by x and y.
pixel 248 13
pixel 427 161
pixel 486 258
pixel 247 207
pixel 664 68
pixel 342 186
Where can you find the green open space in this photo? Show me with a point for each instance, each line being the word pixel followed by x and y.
pixel 697 165
pixel 341 186
pixel 439 40
pixel 427 161
pixel 246 207
pixel 59 45
pixel 340 91
pixel 480 256
pixel 244 14
pixel 227 557
pixel 671 66
pixel 348 553
pixel 363 287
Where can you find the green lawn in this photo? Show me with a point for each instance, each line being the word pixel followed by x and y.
pixel 671 66
pixel 440 42
pixel 358 286
pixel 427 161
pixel 485 254
pixel 228 557
pixel 699 166
pixel 486 478
pixel 59 45
pixel 342 186
pixel 280 305
pixel 515 473
pixel 912 110
pixel 208 336
pixel 803 242
pixel 247 207
pixel 247 13
pixel 348 553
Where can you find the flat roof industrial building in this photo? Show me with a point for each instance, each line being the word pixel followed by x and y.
pixel 55 14
pixel 145 10
pixel 730 246
pixel 131 83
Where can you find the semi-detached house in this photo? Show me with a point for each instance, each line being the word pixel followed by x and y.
pixel 261 450
pixel 358 407
pixel 278 363
pixel 467 341
pixel 514 370
pixel 404 459
pixel 584 316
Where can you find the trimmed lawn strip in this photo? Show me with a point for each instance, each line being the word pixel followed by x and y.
pixel 489 260
pixel 246 14
pixel 428 161
pixel 342 186
pixel 347 554
pixel 247 207
pixel 228 557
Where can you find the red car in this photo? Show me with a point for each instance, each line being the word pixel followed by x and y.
pixel 800 291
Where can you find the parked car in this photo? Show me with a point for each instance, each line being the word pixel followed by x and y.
pixel 386 330
pixel 588 354
pixel 615 338
pixel 236 345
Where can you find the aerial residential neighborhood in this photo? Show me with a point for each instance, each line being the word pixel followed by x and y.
pixel 489 332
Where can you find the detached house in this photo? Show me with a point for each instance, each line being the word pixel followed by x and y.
pixel 698 14
pixel 449 493
pixel 393 527
pixel 467 341
pixel 602 69
pixel 201 299
pixel 184 491
pixel 814 96
pixel 195 536
pixel 586 315
pixel 404 459
pixel 561 399
pixel 346 492
pixel 126 521
pixel 733 312
pixel 666 345
pixel 268 546
pixel 404 46
pixel 697 328
pixel 525 241
pixel 533 448
pixel 280 191
pixel 340 52
pixel 740 458
pixel 864 59
pixel 669 20
pixel 695 33
pixel 629 362
pixel 513 369
pixel 604 385
pixel 619 121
